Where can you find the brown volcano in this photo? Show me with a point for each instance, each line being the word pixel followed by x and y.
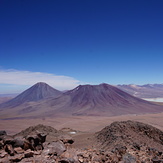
pixel 35 93
pixel 100 99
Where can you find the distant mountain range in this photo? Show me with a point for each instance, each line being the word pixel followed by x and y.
pixel 143 91
pixel 41 100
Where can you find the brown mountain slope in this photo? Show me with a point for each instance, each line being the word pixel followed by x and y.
pixel 97 100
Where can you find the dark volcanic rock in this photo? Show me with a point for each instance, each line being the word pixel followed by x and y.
pixel 9 149
pixel 2 132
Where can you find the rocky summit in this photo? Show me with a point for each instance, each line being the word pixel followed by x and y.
pixel 120 142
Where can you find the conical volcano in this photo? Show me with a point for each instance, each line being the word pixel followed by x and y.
pixel 35 93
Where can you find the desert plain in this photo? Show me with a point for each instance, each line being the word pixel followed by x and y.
pixel 85 124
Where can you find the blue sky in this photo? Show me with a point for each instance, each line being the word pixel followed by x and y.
pixel 71 42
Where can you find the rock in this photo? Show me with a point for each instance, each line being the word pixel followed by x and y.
pixel 55 148
pixel 42 137
pixel 35 141
pixel 16 158
pixel 18 142
pixel 1 144
pixel 9 149
pixel 128 158
pixel 137 146
pixel 2 132
pixel 67 160
pixel 28 153
pixel 81 159
pixel 67 139
pixel 2 154
pixel 70 154
pixel 27 145
pixel 8 140
pixel 39 147
pixel 18 150
pixel 4 160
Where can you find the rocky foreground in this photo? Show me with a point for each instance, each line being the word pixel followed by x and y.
pixel 121 142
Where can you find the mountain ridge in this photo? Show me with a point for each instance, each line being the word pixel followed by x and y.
pixel 143 91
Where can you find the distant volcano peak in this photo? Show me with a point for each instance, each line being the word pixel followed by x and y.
pixel 35 93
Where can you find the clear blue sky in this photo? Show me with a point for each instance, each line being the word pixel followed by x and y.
pixel 87 41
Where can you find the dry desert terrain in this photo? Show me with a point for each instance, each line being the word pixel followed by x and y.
pixel 86 124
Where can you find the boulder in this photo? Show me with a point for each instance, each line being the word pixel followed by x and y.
pixel 27 145
pixel 42 137
pixel 34 142
pixel 18 142
pixel 9 149
pixel 8 140
pixel 55 148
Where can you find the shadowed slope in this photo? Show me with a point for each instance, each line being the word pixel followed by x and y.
pixel 35 93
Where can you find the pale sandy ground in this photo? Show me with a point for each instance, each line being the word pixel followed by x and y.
pixel 85 124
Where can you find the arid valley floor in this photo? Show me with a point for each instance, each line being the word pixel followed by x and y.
pixel 80 123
